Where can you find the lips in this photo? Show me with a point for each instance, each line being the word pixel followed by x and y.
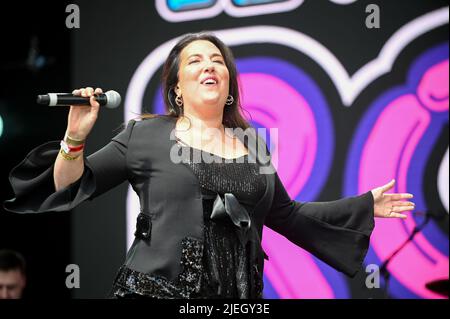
pixel 210 80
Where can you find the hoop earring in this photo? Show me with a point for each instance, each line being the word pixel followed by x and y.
pixel 179 101
pixel 230 100
pixel 171 107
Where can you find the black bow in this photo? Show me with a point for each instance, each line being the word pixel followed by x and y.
pixel 246 231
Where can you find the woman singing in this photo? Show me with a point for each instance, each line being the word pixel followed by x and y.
pixel 205 186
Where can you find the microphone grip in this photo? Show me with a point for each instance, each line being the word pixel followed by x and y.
pixel 64 99
pixel 110 99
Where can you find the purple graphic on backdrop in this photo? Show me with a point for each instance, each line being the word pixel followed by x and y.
pixel 394 140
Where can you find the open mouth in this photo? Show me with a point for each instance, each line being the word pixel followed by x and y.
pixel 210 81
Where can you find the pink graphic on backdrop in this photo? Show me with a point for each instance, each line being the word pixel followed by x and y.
pixel 386 155
pixel 274 103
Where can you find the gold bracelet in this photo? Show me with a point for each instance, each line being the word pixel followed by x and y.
pixel 67 156
pixel 73 141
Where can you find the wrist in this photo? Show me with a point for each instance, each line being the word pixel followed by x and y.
pixel 70 156
pixel 68 148
pixel 74 140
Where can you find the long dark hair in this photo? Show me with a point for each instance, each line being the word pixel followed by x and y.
pixel 232 117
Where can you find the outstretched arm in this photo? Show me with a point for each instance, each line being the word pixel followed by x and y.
pixel 337 232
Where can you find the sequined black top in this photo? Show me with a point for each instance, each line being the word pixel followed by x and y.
pixel 225 261
pixel 226 267
pixel 226 270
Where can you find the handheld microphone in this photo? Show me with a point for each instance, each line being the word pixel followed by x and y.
pixel 110 99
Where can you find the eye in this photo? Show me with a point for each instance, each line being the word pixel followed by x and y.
pixel 193 61
pixel 218 61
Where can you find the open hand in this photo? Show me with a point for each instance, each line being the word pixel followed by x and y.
pixel 391 205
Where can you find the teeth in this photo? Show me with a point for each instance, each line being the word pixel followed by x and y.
pixel 210 82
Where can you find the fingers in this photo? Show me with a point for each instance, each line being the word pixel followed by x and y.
pixel 397 215
pixel 399 209
pixel 388 186
pixel 93 101
pixel 403 203
pixel 399 196
pixel 89 92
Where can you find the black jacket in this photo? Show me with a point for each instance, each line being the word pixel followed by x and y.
pixel 171 216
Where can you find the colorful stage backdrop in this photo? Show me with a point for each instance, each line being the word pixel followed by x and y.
pixel 354 107
pixel 359 92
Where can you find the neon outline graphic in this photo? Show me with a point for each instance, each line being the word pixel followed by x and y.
pixel 418 117
pixel 224 6
pixel 348 87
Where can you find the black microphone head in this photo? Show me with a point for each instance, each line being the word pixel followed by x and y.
pixel 113 99
pixel 43 99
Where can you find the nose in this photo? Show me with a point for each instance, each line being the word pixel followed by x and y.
pixel 209 66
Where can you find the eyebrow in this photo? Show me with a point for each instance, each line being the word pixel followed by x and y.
pixel 211 56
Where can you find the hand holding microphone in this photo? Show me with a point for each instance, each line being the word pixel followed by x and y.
pixel 84 106
pixel 82 118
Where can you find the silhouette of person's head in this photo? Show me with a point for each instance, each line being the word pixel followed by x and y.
pixel 12 274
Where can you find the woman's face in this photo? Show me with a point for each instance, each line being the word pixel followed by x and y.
pixel 203 78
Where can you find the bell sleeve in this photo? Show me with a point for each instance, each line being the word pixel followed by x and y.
pixel 337 232
pixel 33 184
